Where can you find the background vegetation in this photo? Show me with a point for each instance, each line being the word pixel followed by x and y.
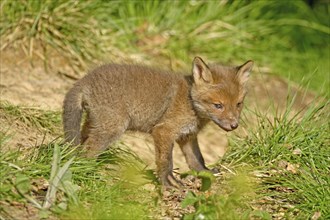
pixel 285 157
pixel 289 37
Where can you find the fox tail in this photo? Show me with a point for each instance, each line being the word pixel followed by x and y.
pixel 72 115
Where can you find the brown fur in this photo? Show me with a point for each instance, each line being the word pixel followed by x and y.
pixel 171 107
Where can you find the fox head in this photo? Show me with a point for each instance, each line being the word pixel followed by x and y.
pixel 218 92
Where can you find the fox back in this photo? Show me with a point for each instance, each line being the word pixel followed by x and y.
pixel 137 94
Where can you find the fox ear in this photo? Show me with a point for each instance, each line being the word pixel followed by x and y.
pixel 201 71
pixel 243 72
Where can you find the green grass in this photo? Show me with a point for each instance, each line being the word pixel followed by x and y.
pixel 48 121
pixel 290 154
pixel 280 168
pixel 230 199
pixel 287 36
pixel 75 181
pixel 83 188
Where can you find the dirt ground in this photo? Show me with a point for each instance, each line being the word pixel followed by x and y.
pixel 27 83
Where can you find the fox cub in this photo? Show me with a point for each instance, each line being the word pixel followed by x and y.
pixel 171 107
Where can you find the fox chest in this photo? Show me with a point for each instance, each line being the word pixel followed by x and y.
pixel 188 129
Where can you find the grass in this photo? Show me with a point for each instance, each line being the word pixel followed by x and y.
pixel 268 32
pixel 72 184
pixel 47 121
pixel 53 180
pixel 280 169
pixel 290 154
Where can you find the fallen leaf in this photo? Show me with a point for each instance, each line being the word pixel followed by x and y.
pixel 316 215
pixel 297 151
pixel 292 168
pixel 282 164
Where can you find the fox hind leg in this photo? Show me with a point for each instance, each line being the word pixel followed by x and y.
pixel 85 129
pixel 97 135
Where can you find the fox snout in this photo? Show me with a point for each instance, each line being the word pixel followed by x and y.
pixel 234 125
pixel 227 125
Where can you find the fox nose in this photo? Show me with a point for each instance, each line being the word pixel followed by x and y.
pixel 234 125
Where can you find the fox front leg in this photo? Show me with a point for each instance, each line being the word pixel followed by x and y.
pixel 190 149
pixel 164 161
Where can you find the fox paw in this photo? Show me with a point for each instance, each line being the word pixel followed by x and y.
pixel 169 181
pixel 215 171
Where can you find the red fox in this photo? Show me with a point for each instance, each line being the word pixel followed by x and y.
pixel 169 106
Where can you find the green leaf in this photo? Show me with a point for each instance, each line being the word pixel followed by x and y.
pixel 44 214
pixel 190 172
pixel 207 179
pixel 189 216
pixel 67 176
pixel 70 189
pixel 62 205
pixel 22 183
pixel 190 199
pixel 206 184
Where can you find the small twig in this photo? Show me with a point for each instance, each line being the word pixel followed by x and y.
pixel 12 165
pixel 68 75
pixel 229 170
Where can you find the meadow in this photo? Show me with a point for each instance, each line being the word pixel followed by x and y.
pixel 278 169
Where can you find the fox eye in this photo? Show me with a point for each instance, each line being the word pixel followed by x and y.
pixel 239 104
pixel 218 105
